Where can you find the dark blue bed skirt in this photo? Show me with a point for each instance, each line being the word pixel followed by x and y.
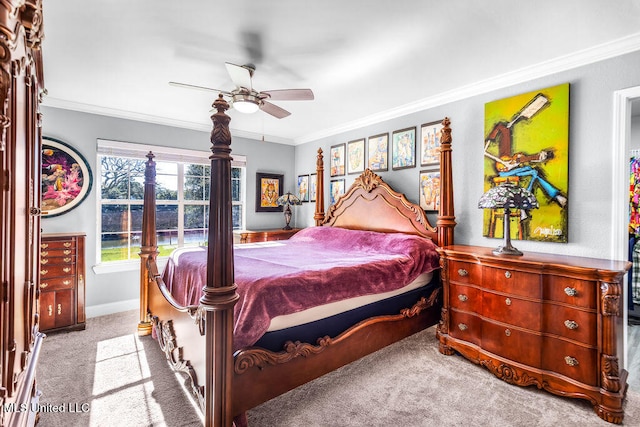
pixel 334 325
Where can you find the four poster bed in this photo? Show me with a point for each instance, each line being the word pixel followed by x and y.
pixel 262 319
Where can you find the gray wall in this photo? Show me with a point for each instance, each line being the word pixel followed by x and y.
pixel 590 155
pixel 81 131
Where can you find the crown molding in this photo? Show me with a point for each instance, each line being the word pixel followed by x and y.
pixel 577 59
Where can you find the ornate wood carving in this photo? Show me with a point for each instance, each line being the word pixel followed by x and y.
pixel 318 216
pixel 167 341
pixel 259 357
pixel 509 373
pixel 446 221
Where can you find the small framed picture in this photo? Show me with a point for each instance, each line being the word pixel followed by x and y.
pixel 378 152
pixel 430 135
pixel 430 190
pixel 336 189
pixel 404 148
pixel 355 156
pixel 303 188
pixel 268 189
pixel 337 160
pixel 313 182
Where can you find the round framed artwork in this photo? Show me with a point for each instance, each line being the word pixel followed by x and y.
pixel 66 177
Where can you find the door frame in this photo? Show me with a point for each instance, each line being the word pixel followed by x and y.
pixel 622 107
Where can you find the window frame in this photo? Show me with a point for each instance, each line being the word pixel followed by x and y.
pixel 162 154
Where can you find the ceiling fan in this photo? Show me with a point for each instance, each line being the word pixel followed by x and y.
pixel 246 99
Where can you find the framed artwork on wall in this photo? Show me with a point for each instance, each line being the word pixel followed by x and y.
pixel 268 189
pixel 378 152
pixel 337 160
pixel 430 134
pixel 336 189
pixel 355 156
pixel 313 181
pixel 303 188
pixel 66 177
pixel 430 190
pixel 403 147
pixel 526 142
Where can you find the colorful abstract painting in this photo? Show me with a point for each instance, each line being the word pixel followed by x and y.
pixel 526 141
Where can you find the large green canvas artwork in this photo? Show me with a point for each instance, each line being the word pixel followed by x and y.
pixel 527 143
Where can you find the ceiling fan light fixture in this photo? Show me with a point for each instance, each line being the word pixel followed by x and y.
pixel 246 104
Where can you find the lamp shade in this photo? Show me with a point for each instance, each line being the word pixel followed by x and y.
pixel 508 196
pixel 288 199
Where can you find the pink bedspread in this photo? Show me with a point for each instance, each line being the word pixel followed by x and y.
pixel 318 265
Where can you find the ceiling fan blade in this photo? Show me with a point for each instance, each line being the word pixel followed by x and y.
pixel 274 110
pixel 208 89
pixel 289 94
pixel 240 75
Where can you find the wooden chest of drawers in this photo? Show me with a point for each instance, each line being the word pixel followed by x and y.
pixel 251 236
pixel 550 321
pixel 62 286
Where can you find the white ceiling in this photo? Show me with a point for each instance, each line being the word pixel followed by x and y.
pixel 365 60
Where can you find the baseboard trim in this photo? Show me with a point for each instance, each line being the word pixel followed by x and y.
pixel 110 308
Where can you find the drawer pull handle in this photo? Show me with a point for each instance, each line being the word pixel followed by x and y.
pixel 66 282
pixel 67 244
pixel 66 269
pixel 572 292
pixel 43 285
pixel 67 251
pixel 571 361
pixel 66 259
pixel 44 272
pixel 44 261
pixel 44 246
pixel 462 326
pixel 507 274
pixel 59 308
pixel 462 297
pixel 507 301
pixel 44 253
pixel 50 310
pixel 570 324
pixel 462 272
pixel 507 332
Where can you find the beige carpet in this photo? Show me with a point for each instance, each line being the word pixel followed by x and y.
pixel 123 380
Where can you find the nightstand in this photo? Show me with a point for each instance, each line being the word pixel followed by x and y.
pixel 546 320
pixel 251 236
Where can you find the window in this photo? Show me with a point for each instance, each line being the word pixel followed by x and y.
pixel 182 198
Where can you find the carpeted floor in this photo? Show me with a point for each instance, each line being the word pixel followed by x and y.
pixel 123 380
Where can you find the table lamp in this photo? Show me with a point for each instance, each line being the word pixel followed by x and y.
pixel 286 200
pixel 508 196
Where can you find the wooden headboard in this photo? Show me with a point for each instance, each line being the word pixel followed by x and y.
pixel 394 213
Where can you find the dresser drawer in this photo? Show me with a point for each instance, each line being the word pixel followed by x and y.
pixel 570 323
pixel 465 326
pixel 57 283
pixel 57 260
pixel 465 272
pixel 512 282
pixel 56 270
pixel 569 359
pixel 511 343
pixel 466 298
pixel 61 252
pixel 511 310
pixel 581 293
pixel 57 244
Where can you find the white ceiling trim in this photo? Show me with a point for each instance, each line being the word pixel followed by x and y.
pixel 597 53
pixel 587 56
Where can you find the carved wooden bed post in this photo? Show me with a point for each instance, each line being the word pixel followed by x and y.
pixel 219 295
pixel 319 215
pixel 446 220
pixel 149 245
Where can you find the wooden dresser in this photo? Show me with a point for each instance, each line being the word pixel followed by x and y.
pixel 62 281
pixel 545 320
pixel 251 236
